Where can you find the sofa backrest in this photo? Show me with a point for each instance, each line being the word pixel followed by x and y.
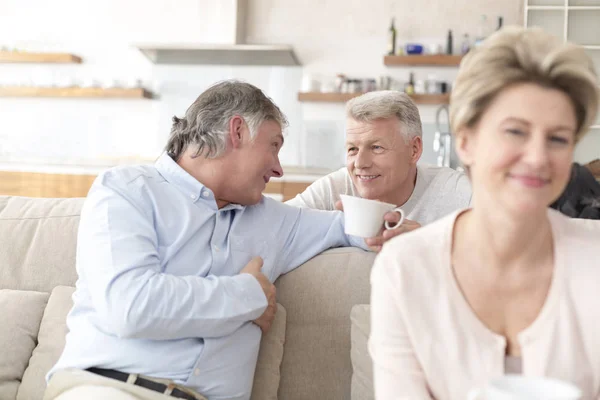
pixel 41 252
pixel 318 297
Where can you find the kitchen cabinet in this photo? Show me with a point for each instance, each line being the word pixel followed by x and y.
pixel 574 21
pixel 36 184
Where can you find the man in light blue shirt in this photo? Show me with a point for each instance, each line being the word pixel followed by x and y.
pixel 169 286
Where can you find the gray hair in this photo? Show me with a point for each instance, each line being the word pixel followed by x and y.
pixel 386 104
pixel 206 123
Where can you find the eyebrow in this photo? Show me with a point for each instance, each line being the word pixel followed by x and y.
pixel 515 119
pixel 366 142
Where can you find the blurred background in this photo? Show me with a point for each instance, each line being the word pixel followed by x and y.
pixel 88 84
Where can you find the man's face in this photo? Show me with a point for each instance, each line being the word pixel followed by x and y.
pixel 257 162
pixel 379 159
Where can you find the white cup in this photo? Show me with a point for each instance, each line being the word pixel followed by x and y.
pixel 519 387
pixel 364 217
pixel 310 84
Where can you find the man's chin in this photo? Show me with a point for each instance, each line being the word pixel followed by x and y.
pixel 367 192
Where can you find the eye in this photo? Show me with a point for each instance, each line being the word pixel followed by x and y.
pixel 377 149
pixel 352 150
pixel 559 139
pixel 515 132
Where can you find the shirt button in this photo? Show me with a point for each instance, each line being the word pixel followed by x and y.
pixel 193 196
pixel 197 371
pixel 205 194
pixel 216 248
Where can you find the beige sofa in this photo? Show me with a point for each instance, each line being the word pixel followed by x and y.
pixel 305 356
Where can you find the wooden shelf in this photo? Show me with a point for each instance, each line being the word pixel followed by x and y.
pixel 326 97
pixel 23 57
pixel 136 93
pixel 344 97
pixel 424 60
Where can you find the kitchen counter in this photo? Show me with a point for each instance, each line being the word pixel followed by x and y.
pixel 94 167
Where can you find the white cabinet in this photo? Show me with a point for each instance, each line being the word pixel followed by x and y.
pixel 577 21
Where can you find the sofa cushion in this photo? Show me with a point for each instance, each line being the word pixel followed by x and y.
pixel 318 297
pixel 21 315
pixel 362 366
pixel 267 374
pixel 43 235
pixel 51 341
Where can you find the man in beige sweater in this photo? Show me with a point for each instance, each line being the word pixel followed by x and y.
pixel 383 145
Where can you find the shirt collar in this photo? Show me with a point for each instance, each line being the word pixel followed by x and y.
pixel 177 176
pixel 191 187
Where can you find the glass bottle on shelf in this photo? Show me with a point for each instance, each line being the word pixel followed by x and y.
pixel 409 87
pixel 392 39
pixel 449 43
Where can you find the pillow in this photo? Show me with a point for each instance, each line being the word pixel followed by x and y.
pixel 268 373
pixel 51 342
pixel 362 365
pixel 39 238
pixel 21 315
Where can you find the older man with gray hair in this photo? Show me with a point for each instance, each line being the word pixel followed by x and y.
pixel 383 144
pixel 176 260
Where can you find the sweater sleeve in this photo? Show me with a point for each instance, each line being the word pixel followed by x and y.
pixel 396 370
pixel 323 193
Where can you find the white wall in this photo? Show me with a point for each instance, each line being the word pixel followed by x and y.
pixel 329 37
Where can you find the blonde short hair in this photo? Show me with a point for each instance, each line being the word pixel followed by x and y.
pixel 384 104
pixel 523 55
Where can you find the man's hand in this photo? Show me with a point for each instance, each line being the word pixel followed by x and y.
pixel 267 317
pixel 375 243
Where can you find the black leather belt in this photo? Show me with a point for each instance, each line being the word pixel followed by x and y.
pixel 143 382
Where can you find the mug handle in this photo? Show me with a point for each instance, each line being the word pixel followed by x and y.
pixel 399 211
pixel 475 394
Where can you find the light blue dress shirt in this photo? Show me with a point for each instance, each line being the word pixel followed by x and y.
pixel 159 291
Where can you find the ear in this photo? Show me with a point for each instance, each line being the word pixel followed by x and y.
pixel 416 149
pixel 464 144
pixel 236 131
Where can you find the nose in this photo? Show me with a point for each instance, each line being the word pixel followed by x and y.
pixel 536 151
pixel 362 159
pixel 277 170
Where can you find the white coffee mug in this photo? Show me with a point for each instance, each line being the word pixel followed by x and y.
pixel 364 217
pixel 519 387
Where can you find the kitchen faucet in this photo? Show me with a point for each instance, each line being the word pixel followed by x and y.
pixel 442 140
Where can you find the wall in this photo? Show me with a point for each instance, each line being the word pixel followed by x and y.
pixel 103 33
pixel 329 37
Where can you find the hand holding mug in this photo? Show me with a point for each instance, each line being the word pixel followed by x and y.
pixel 407 225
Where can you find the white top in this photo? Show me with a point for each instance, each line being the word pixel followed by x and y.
pixel 438 192
pixel 427 343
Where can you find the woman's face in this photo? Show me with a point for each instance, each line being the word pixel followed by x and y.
pixel 520 152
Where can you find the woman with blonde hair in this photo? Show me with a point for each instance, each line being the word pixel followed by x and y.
pixel 508 286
